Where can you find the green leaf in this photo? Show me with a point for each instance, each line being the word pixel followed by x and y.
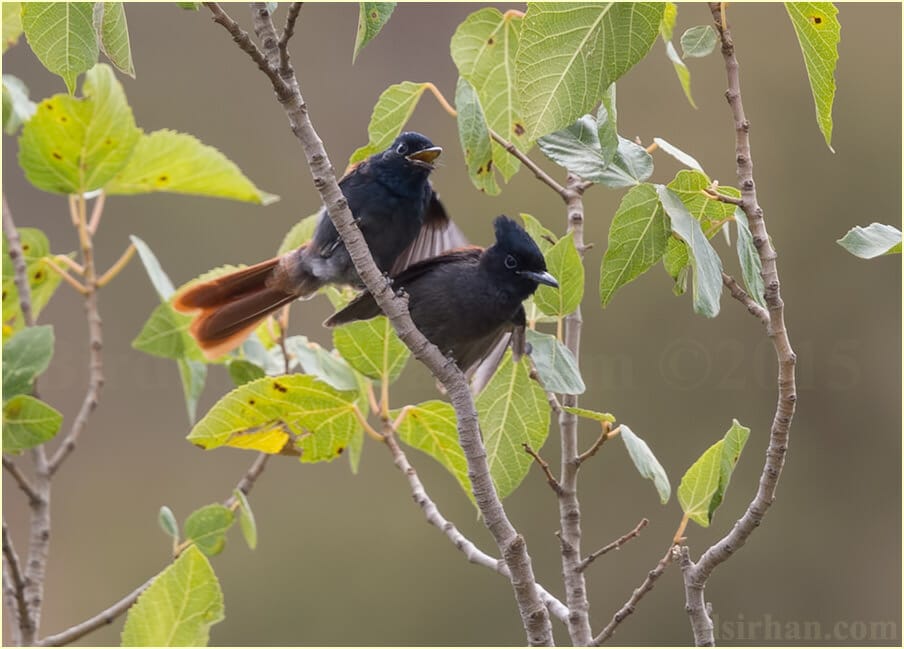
pixel 703 485
pixel 300 233
pixel 667 24
pixel 113 31
pixel 556 365
pixel 578 149
pixel 165 334
pixel 242 371
pixel 631 166
pixel 371 18
pixel 17 107
pixel 646 463
pixel 25 356
pixel 42 280
pixel 712 214
pixel 677 263
pixel 246 520
pixel 542 236
pixel 167 161
pixel 590 414
pixel 72 146
pixel 167 521
pixel 193 374
pixel 330 368
pixel 751 265
pixel 12 23
pixel 607 124
pixel 564 263
pixel 61 34
pixel 297 413
pixel 178 608
pixel 686 159
pixel 391 112
pixel 874 240
pixel 570 53
pixel 206 528
pixel 818 32
pixel 475 138
pixel 512 410
pixel 682 72
pixel 431 427
pixel 189 6
pixel 705 261
pixel 733 444
pixel 372 347
pixel 637 240
pixel 484 48
pixel 27 422
pixel 699 41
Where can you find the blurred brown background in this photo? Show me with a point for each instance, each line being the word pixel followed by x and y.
pixel 349 560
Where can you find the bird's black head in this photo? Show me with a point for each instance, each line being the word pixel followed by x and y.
pixel 516 260
pixel 412 149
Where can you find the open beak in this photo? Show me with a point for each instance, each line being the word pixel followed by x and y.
pixel 426 156
pixel 540 278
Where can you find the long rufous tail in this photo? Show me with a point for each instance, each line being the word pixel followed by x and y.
pixel 230 307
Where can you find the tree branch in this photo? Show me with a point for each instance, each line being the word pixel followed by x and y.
pixel 14 588
pixel 285 67
pixel 569 507
pixel 544 465
pixel 615 545
pixel 628 608
pixel 534 614
pixel 696 574
pixel 20 479
pixel 744 298
pixel 19 268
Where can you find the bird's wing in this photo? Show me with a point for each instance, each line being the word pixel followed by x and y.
pixel 480 371
pixel 437 235
pixel 365 307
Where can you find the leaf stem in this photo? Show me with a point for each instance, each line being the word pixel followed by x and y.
pixel 116 268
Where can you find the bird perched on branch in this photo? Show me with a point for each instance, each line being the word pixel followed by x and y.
pixel 397 211
pixel 468 301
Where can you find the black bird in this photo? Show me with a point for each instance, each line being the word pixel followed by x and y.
pixel 399 214
pixel 466 301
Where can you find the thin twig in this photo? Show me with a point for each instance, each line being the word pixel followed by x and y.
pixel 544 465
pixel 14 587
pixel 696 574
pixel 472 553
pixel 95 342
pixel 615 545
pixel 74 283
pixel 605 435
pixel 20 478
pixel 20 269
pixel 96 212
pixel 68 261
pixel 534 615
pixel 711 193
pixel 744 298
pixel 628 607
pixel 116 268
pixel 285 66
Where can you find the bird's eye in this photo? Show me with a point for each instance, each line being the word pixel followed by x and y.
pixel 402 149
pixel 510 262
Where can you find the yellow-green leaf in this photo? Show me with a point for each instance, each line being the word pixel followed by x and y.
pixel 571 52
pixel 28 422
pixel 564 263
pixel 25 356
pixel 590 414
pixel 42 280
pixel 206 528
pixel 542 236
pixel 513 410
pixel 295 413
pixel 819 32
pixel 72 146
pixel 372 347
pixel 667 24
pixel 431 427
pixel 61 34
pixel 681 71
pixel 475 138
pixel 178 609
pixel 391 112
pixel 246 520
pixel 12 23
pixel 167 161
pixel 484 47
pixel 371 18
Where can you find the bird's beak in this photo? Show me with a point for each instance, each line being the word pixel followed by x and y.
pixel 540 278
pixel 426 155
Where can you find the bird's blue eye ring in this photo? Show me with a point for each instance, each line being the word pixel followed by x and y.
pixel 510 262
pixel 402 149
